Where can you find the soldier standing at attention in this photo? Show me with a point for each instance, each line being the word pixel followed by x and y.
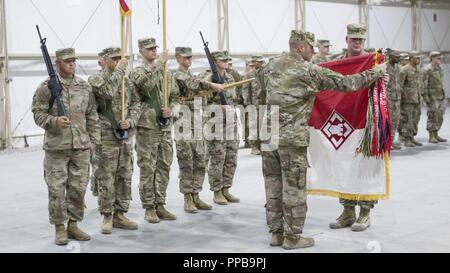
pixel 434 96
pixel 411 86
pixel 394 94
pixel 68 143
pixel 355 39
pixel 153 140
pixel 114 157
pixel 324 52
pixel 222 152
pixel 291 82
pixel 191 152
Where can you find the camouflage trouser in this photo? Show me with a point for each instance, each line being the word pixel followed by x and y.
pixel 408 119
pixel 191 160
pixel 435 113
pixel 66 173
pixel 154 155
pixel 362 204
pixel 255 143
pixel 113 177
pixel 94 187
pixel 416 117
pixel 246 132
pixel 394 111
pixel 284 173
pixel 222 158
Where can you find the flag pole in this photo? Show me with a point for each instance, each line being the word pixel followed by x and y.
pixel 165 86
pixel 122 53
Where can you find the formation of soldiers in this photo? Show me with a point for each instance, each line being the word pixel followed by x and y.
pixel 112 100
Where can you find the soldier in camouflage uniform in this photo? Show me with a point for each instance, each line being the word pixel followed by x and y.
pixel 153 140
pixel 291 82
pixel 324 52
pixel 67 144
pixel 94 188
pixel 355 39
pixel 221 150
pixel 237 77
pixel 411 86
pixel 394 94
pixel 434 96
pixel 404 59
pixel 252 96
pixel 114 157
pixel 190 150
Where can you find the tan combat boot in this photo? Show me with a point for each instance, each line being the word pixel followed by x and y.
pixel 277 239
pixel 151 216
pixel 61 235
pixel 408 142
pixel 189 205
pixel 346 219
pixel 164 214
pixel 219 198
pixel 433 138
pixel 440 139
pixel 107 224
pixel 363 221
pixel 396 146
pixel 417 143
pixel 73 232
pixel 199 203
pixel 121 221
pixel 301 242
pixel 230 198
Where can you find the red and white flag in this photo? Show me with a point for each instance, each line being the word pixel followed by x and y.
pixel 350 138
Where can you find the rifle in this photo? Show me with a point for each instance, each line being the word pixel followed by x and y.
pixel 53 84
pixel 216 78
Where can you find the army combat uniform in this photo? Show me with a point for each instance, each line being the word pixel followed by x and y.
pixel 221 151
pixel 191 150
pixel 434 97
pixel 291 83
pixel 394 95
pixel 67 151
pixel 317 59
pixel 153 141
pixel 114 157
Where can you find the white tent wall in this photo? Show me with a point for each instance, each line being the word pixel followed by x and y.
pixel 322 19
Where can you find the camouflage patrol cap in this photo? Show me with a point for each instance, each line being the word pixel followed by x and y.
pixel 101 54
pixel 324 42
pixel 404 56
pixel 414 54
pixel 219 55
pixel 303 36
pixel 183 51
pixel 356 31
pixel 147 43
pixel 111 52
pixel 65 53
pixel 392 52
pixel 435 53
pixel 257 58
pixel 226 53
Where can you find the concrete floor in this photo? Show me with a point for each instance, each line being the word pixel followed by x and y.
pixel 416 218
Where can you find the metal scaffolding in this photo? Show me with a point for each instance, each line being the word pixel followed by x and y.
pixel 5 103
pixel 300 12
pixel 222 25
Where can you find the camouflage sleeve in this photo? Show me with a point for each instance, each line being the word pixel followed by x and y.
pixel 263 91
pixel 328 79
pixel 176 93
pixel 40 108
pixel 138 79
pixel 425 79
pixel 99 86
pixel 246 90
pixel 92 122
pixel 135 107
pixel 402 78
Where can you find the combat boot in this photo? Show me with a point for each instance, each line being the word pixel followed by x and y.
pixel 363 221
pixel 121 221
pixel 107 224
pixel 151 216
pixel 219 198
pixel 302 242
pixel 230 198
pixel 408 142
pixel 396 146
pixel 277 239
pixel 440 139
pixel 433 138
pixel 164 214
pixel 346 219
pixel 417 143
pixel 199 203
pixel 61 235
pixel 73 232
pixel 189 205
